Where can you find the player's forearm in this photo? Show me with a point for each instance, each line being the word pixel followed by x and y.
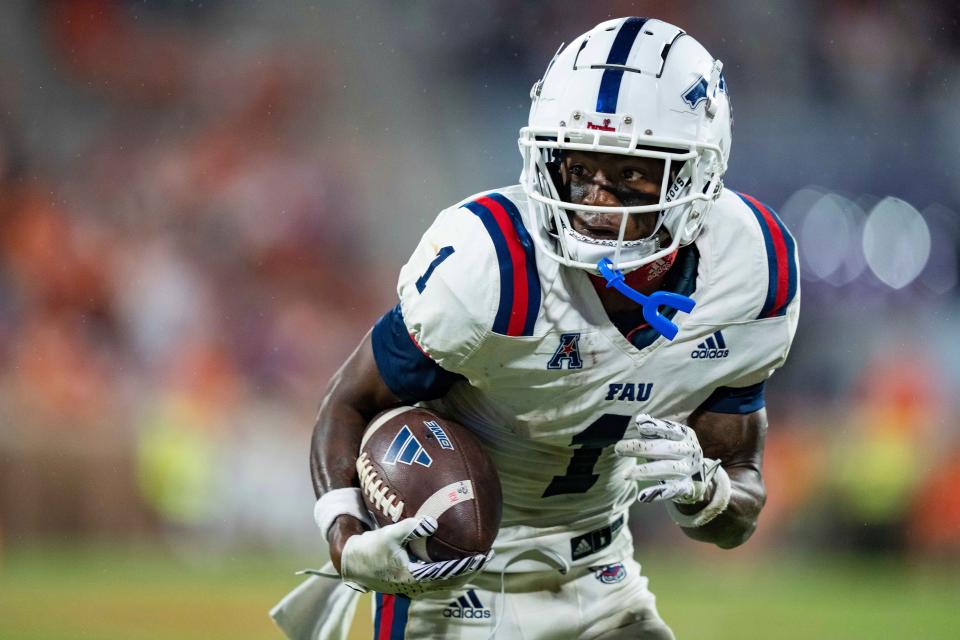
pixel 355 395
pixel 738 521
pixel 334 446
pixel 333 453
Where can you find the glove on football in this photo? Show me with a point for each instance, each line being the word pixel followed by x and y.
pixel 667 453
pixel 378 560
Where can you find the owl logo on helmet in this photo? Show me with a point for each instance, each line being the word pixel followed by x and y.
pixel 633 87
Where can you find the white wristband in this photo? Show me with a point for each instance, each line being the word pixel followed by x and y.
pixel 717 505
pixel 347 501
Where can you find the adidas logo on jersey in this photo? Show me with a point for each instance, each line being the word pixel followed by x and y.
pixel 583 548
pixel 712 348
pixel 467 607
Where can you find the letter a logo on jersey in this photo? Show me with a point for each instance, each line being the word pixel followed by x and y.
pixel 568 351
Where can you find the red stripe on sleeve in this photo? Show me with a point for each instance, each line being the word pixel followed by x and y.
pixel 417 345
pixel 518 311
pixel 780 249
pixel 386 618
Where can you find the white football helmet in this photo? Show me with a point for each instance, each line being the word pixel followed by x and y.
pixel 637 87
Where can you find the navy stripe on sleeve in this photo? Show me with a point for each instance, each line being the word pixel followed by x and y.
pixel 409 373
pixel 502 320
pixel 781 258
pixel 516 256
pixel 530 252
pixel 739 400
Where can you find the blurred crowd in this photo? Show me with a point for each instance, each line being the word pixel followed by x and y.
pixel 203 207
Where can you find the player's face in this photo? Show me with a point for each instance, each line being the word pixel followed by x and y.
pixel 611 180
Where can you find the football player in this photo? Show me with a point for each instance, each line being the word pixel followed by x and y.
pixel 606 328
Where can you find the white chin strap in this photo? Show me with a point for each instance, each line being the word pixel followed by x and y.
pixel 591 250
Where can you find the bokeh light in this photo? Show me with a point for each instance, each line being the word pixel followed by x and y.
pixel 829 239
pixel 896 242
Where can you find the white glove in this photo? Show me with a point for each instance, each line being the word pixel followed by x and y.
pixel 378 560
pixel 668 453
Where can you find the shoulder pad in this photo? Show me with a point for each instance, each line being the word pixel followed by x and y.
pixel 751 261
pixel 749 279
pixel 473 273
pixel 781 253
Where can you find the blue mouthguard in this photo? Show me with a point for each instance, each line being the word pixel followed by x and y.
pixel 651 304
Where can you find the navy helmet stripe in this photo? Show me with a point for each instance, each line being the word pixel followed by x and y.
pixel 619 52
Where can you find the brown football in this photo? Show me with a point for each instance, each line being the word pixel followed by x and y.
pixel 414 463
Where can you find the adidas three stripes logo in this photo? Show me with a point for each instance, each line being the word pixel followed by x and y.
pixel 467 606
pixel 712 348
pixel 407 449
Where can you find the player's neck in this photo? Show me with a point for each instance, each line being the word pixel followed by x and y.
pixel 646 280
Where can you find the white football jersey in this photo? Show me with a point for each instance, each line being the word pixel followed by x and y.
pixel 549 384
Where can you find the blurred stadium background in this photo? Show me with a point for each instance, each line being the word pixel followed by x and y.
pixel 203 206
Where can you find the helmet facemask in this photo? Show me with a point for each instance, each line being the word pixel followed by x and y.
pixel 690 181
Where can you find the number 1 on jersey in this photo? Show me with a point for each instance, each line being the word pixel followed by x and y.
pixel 442 254
pixel 603 432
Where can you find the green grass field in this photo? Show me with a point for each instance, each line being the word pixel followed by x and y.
pixel 114 594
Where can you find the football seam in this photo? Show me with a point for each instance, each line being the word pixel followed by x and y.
pixel 377 490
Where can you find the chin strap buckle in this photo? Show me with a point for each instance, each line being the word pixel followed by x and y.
pixel 651 304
